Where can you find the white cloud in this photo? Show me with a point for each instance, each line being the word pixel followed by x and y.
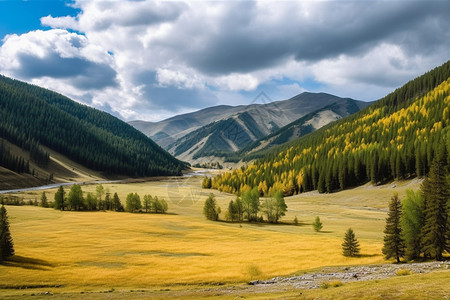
pixel 149 59
pixel 60 22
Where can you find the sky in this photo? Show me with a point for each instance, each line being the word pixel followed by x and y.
pixel 151 60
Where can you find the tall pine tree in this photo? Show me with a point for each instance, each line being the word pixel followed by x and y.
pixel 412 223
pixel 394 244
pixel 435 188
pixel 6 242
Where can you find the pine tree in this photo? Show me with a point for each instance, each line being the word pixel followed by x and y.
pixel 412 223
pixel 6 242
pixel 350 246
pixel 394 245
pixel 317 225
pixel 435 188
pixel 59 198
pixel 44 201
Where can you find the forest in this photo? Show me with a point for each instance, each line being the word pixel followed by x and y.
pixel 395 138
pixel 32 116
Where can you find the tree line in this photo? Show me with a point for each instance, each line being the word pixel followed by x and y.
pixel 74 200
pixel 419 227
pixel 395 138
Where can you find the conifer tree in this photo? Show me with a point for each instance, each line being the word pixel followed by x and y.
pixel 317 224
pixel 350 246
pixel 6 242
pixel 44 201
pixel 435 188
pixel 59 198
pixel 394 245
pixel 412 223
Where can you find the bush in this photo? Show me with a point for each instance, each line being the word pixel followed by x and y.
pixel 402 272
pixel 334 283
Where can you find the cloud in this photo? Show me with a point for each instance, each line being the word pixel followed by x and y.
pixel 146 59
pixel 57 54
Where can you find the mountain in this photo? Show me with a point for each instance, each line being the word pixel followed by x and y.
pixel 298 128
pixel 35 119
pixel 222 130
pixel 396 137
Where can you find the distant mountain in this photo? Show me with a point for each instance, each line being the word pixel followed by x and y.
pixel 32 118
pixel 397 137
pixel 300 127
pixel 222 130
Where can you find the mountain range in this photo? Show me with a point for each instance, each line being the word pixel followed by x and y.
pixel 224 131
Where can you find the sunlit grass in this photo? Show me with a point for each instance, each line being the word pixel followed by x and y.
pixel 92 250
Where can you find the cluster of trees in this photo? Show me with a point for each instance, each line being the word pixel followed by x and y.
pixel 207 182
pixel 208 165
pixel 420 226
pixel 75 200
pixel 394 138
pixel 149 205
pixel 90 137
pixel 248 207
pixel 6 242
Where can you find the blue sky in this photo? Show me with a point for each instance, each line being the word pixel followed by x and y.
pixel 23 16
pixel 151 60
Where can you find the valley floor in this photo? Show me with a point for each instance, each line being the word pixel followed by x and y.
pixel 181 254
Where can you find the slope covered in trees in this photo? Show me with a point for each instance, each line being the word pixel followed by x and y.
pixel 394 138
pixel 32 116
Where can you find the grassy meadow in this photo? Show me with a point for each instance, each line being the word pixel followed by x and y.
pixel 96 251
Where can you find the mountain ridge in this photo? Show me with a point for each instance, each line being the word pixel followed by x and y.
pixel 33 117
pixel 228 129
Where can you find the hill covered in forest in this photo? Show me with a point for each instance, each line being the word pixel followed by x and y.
pixel 395 138
pixel 35 119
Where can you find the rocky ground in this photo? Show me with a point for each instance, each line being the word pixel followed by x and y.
pixel 349 274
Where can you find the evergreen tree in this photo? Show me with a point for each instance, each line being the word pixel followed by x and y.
pixel 350 246
pixel 75 197
pixel 210 208
pixel 412 222
pixel 435 188
pixel 394 245
pixel 116 204
pixel 44 201
pixel 317 225
pixel 6 242
pixel 231 213
pixel 59 198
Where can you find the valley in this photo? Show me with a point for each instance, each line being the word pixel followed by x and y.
pixel 68 252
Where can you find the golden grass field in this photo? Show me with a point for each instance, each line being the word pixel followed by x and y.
pixel 100 251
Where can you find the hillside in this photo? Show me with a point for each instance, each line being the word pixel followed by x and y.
pixel 33 117
pixel 394 138
pixel 298 128
pixel 223 130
